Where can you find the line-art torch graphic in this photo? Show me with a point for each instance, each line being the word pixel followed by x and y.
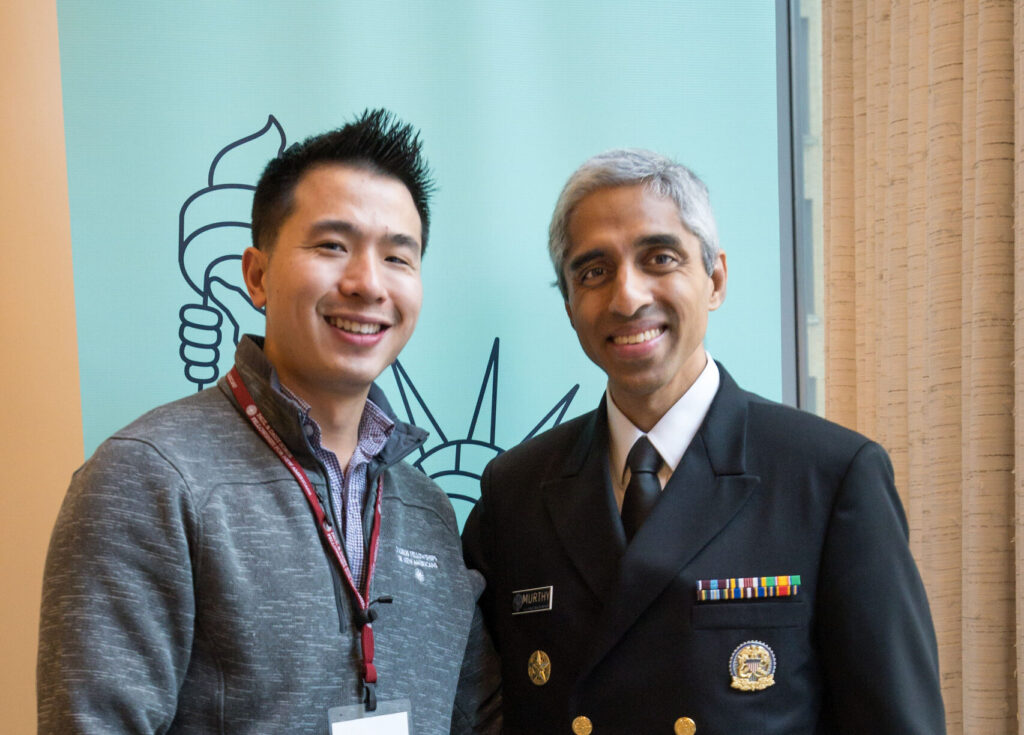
pixel 214 228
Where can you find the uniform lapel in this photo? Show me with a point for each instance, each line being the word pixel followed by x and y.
pixel 582 507
pixel 705 492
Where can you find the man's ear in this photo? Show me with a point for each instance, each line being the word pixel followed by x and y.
pixel 254 271
pixel 568 313
pixel 718 278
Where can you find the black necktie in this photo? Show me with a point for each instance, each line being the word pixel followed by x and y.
pixel 643 488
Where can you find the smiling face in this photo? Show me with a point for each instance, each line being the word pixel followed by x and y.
pixel 341 284
pixel 639 297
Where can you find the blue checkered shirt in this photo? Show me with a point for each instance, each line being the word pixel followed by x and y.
pixel 348 490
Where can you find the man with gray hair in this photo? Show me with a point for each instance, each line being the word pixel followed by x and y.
pixel 690 557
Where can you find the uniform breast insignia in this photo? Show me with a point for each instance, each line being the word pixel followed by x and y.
pixel 747 588
pixel 539 668
pixel 535 599
pixel 752 665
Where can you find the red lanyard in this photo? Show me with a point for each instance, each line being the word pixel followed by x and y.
pixel 266 431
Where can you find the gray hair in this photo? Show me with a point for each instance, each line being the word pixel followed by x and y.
pixel 626 167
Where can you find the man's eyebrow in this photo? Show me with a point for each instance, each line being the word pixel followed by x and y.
pixel 583 258
pixel 336 226
pixel 663 239
pixel 403 240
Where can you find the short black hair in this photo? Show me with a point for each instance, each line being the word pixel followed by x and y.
pixel 375 141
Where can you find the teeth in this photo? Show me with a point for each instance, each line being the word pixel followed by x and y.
pixel 635 339
pixel 355 327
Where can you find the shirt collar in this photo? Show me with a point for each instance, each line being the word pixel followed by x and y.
pixel 673 432
pixel 375 426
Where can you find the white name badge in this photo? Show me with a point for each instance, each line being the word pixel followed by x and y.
pixel 390 718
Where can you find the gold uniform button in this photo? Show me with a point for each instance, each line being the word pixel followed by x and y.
pixel 685 726
pixel 582 726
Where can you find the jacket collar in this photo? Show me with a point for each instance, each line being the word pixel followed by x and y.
pixel 285 415
pixel 723 431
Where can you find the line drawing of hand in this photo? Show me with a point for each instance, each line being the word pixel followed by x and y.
pixel 199 335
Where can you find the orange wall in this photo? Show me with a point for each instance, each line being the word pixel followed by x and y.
pixel 40 420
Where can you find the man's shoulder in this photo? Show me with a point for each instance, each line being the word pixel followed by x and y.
pixel 413 488
pixel 767 413
pixel 189 428
pixel 180 418
pixel 413 484
pixel 779 428
pixel 168 453
pixel 540 451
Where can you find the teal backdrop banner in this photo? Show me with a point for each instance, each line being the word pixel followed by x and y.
pixel 173 108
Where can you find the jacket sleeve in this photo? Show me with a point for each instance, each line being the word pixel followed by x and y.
pixel 118 608
pixel 874 628
pixel 478 702
pixel 478 697
pixel 476 550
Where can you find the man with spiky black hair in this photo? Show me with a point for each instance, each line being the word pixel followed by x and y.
pixel 258 557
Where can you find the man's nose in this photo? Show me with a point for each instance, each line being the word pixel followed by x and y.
pixel 361 277
pixel 630 292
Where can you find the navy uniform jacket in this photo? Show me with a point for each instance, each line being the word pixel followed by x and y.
pixel 763 490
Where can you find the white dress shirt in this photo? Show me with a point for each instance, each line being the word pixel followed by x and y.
pixel 670 436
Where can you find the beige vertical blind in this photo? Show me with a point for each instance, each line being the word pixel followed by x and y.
pixel 924 133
